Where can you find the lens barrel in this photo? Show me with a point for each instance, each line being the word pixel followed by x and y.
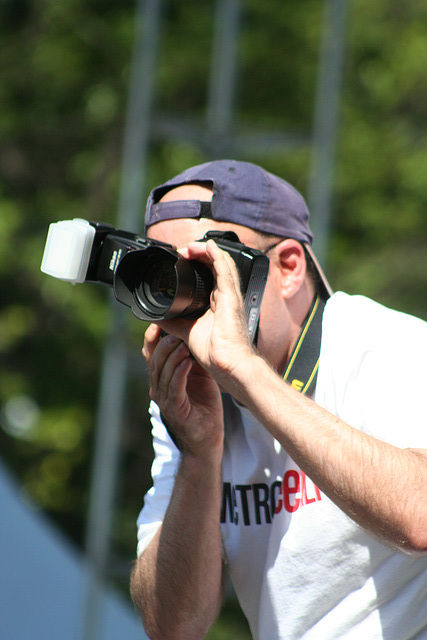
pixel 158 283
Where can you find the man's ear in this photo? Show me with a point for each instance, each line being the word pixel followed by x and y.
pixel 289 257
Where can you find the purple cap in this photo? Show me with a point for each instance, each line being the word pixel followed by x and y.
pixel 243 193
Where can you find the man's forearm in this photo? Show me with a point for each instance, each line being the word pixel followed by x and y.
pixel 380 486
pixel 177 581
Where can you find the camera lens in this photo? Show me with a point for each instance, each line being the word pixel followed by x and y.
pixel 161 283
pixel 158 283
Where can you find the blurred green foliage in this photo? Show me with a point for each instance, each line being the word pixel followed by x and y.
pixel 65 76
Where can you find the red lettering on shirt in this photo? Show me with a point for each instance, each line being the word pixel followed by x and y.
pixel 259 503
pixel 291 486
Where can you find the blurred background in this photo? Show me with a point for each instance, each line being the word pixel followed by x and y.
pixel 103 99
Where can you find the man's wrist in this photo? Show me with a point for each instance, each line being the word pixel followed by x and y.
pixel 203 464
pixel 246 373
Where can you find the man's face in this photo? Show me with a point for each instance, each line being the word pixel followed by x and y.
pixel 273 338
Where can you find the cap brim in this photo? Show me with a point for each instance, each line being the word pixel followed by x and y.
pixel 327 287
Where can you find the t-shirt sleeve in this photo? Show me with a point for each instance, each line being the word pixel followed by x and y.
pixel 163 472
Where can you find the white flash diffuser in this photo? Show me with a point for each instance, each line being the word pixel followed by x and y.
pixel 68 248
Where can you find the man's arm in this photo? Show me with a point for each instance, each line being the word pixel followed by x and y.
pixel 380 486
pixel 177 581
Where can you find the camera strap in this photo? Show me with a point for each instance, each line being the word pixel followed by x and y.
pixel 301 370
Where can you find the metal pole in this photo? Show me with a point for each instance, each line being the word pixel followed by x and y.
pixel 137 134
pixel 115 364
pixel 223 72
pixel 320 184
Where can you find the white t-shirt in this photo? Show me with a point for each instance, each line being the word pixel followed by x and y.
pixel 301 568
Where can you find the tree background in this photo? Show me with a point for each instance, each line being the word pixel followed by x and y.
pixel 65 77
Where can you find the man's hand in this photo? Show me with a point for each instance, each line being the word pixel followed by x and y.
pixel 219 339
pixel 188 398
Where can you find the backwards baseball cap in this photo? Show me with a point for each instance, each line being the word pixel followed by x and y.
pixel 244 194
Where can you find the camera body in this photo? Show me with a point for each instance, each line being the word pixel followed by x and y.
pixel 149 276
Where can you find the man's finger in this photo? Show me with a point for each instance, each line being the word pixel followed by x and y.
pixel 151 339
pixel 223 265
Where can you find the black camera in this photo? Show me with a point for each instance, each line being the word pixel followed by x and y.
pixel 149 276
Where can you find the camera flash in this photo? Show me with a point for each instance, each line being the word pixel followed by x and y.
pixel 68 248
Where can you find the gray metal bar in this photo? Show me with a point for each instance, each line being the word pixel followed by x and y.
pixel 246 142
pixel 320 185
pixel 115 364
pixel 224 69
pixel 137 134
pixel 105 468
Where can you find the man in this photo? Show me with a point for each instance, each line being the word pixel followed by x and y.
pixel 317 509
